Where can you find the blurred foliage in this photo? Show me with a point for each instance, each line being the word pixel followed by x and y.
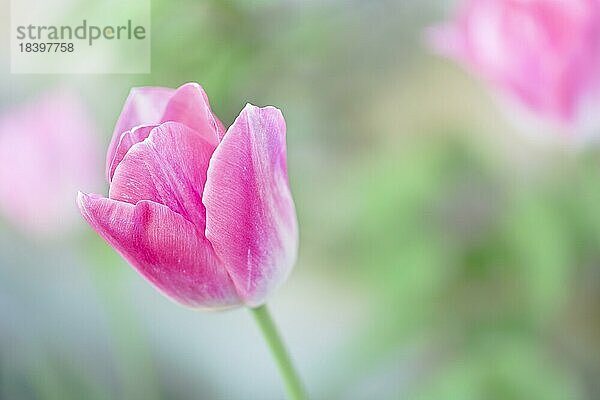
pixel 486 269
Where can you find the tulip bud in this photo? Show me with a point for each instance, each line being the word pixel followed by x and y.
pixel 543 55
pixel 204 215
pixel 48 147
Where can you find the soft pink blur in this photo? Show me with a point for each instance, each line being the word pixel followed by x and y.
pixel 545 54
pixel 205 215
pixel 48 149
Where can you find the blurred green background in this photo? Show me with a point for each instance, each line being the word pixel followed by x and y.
pixel 443 254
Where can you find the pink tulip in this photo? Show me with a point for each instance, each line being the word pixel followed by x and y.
pixel 205 215
pixel 545 54
pixel 48 148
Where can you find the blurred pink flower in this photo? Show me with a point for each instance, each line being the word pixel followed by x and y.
pixel 48 149
pixel 205 215
pixel 545 54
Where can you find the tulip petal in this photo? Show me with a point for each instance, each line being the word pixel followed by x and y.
pixel 250 216
pixel 128 139
pixel 144 106
pixel 164 247
pixel 169 167
pixel 189 105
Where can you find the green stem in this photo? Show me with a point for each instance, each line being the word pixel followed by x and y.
pixel 290 377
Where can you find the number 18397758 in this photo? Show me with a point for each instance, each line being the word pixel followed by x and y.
pixel 46 47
